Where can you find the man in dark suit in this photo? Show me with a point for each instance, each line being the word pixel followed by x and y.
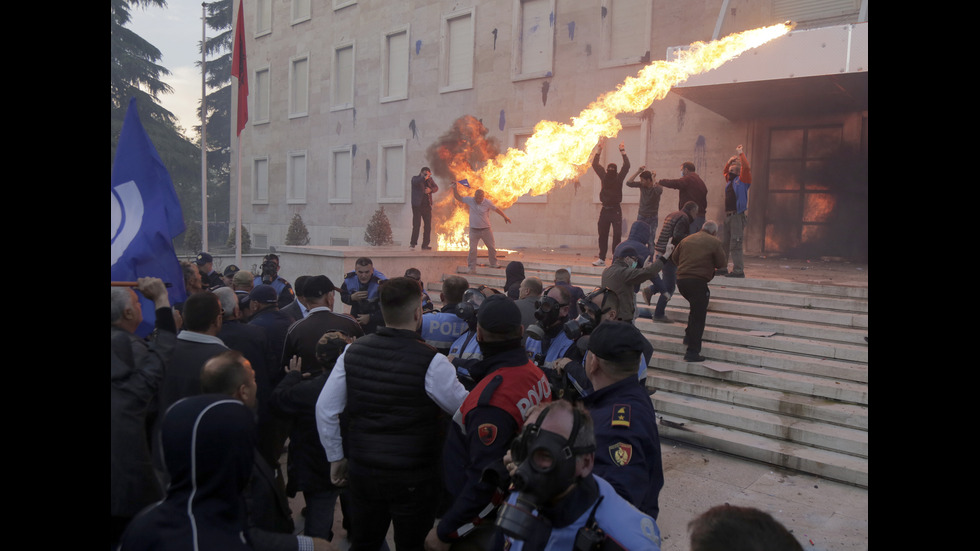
pixel 297 309
pixel 304 334
pixel 197 343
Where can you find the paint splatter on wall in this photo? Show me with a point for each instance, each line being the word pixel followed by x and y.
pixel 503 120
pixel 544 92
pixel 681 113
pixel 418 46
pixel 700 153
pixel 571 30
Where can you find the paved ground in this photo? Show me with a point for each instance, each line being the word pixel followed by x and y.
pixel 823 515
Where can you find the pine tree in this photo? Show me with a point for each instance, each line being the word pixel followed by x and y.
pixel 297 234
pixel 378 230
pixel 246 240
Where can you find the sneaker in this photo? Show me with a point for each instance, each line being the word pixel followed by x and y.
pixel 662 319
pixel 691 357
pixel 599 262
pixel 721 271
pixel 425 248
pixel 471 270
pixel 411 247
pixel 647 293
pixel 735 274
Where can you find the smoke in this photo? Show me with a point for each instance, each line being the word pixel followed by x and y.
pixel 466 141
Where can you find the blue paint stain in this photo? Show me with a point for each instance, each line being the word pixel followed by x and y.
pixel 502 120
pixel 418 46
pixel 571 30
pixel 353 150
pixel 551 19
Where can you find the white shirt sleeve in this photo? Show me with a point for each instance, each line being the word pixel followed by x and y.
pixel 442 385
pixel 330 404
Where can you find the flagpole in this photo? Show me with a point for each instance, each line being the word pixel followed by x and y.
pixel 238 217
pixel 204 126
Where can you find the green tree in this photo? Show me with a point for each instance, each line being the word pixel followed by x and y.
pixel 218 50
pixel 135 72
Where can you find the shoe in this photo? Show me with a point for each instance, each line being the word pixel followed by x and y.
pixel 647 293
pixel 721 272
pixel 736 274
pixel 412 247
pixel 690 357
pixel 497 267
pixel 662 319
pixel 471 271
pixel 425 248
pixel 599 262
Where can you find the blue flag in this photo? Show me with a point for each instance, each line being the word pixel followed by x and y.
pixel 145 217
pixel 465 182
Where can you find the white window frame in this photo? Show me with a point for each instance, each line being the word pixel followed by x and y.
pixel 294 112
pixel 300 11
pixel 606 33
pixel 335 189
pixel 261 100
pixel 514 138
pixel 335 82
pixel 338 4
pixel 292 185
pixel 397 187
pixel 263 27
pixel 517 69
pixel 387 56
pixel 260 189
pixel 445 50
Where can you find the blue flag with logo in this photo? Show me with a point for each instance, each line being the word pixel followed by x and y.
pixel 145 216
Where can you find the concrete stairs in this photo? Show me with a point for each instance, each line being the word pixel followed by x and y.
pixel 786 376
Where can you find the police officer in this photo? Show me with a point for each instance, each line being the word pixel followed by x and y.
pixel 553 470
pixel 205 264
pixel 440 329
pixel 360 291
pixel 269 275
pixel 627 440
pixel 507 387
pixel 546 341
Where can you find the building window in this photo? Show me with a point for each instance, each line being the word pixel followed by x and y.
pixel 518 140
pixel 457 48
pixel 261 96
pixel 633 136
pixel 260 180
pixel 391 171
pixel 337 4
pixel 263 17
pixel 341 170
pixel 394 65
pixel 343 77
pixel 296 177
pixel 624 32
pixel 299 89
pixel 533 51
pixel 300 11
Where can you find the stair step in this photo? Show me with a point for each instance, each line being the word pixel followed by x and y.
pixel 819 462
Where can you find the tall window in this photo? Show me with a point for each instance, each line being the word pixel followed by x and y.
pixel 263 17
pixel 299 86
pixel 341 172
pixel 261 96
pixel 391 171
pixel 534 35
pixel 300 11
pixel 260 180
pixel 625 31
pixel 296 177
pixel 394 65
pixel 343 77
pixel 457 51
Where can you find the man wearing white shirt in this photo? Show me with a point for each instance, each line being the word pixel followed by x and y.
pixel 398 393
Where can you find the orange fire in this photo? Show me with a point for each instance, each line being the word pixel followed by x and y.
pixel 558 153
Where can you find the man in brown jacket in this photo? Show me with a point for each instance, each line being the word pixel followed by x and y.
pixel 697 257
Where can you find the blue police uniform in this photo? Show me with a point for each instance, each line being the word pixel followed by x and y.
pixel 622 523
pixel 441 329
pixel 627 442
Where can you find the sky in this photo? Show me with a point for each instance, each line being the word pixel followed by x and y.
pixel 176 32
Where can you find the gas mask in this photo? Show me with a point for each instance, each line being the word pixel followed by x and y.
pixel 547 312
pixel 470 305
pixel 546 468
pixel 589 315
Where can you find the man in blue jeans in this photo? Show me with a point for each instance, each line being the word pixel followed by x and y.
pixel 677 226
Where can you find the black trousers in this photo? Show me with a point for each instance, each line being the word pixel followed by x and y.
pixel 696 292
pixel 379 499
pixel 610 216
pixel 421 215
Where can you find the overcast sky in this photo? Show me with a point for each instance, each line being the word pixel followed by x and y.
pixel 176 32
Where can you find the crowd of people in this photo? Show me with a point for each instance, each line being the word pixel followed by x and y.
pixel 513 418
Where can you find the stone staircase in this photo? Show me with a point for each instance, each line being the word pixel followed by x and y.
pixel 786 376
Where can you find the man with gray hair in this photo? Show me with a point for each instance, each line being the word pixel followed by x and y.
pixel 697 257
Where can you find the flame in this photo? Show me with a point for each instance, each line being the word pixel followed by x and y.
pixel 558 153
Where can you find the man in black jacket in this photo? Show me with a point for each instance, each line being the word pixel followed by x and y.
pixel 611 196
pixel 392 386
